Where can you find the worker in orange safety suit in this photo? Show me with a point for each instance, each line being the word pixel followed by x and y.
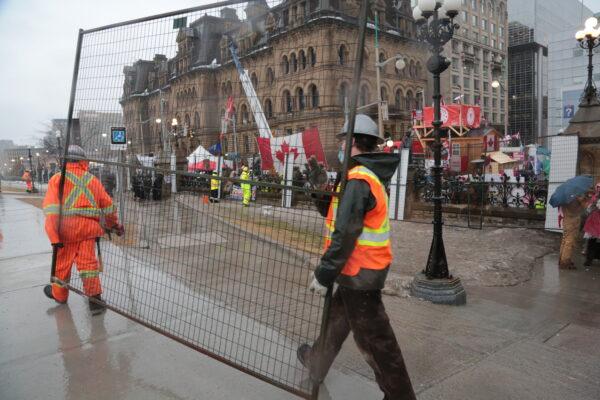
pixel 85 203
pixel 28 180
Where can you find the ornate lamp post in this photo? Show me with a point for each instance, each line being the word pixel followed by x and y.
pixel 589 39
pixel 435 25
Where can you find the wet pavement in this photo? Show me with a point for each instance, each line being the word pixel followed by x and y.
pixel 54 351
pixel 535 340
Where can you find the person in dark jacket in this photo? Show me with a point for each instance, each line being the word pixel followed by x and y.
pixel 358 256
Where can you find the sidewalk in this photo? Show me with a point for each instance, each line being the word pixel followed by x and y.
pixel 533 340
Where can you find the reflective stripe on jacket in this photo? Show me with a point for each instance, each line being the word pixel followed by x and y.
pixel 214 183
pixel 85 202
pixel 373 249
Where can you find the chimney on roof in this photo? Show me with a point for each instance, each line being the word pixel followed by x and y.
pixel 229 13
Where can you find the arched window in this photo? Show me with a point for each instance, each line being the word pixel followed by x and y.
pixel 342 55
pixel 245 116
pixel 342 94
pixel 313 92
pixel 381 60
pixel 270 76
pixel 254 80
pixel 419 70
pixel 302 56
pixel 419 101
pixel 294 62
pixel 409 100
pixel 269 108
pixel 224 89
pixel 384 94
pixel 411 69
pixel 399 99
pixel 187 121
pixel 364 96
pixel 285 65
pixel 312 56
pixel 287 102
pixel 300 98
pixel 229 88
pixel 196 120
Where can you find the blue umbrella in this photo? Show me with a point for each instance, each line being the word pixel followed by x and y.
pixel 568 191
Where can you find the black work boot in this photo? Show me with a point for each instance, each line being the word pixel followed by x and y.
pixel 303 354
pixel 48 293
pixel 95 307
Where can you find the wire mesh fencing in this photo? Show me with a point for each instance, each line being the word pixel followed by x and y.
pixel 203 126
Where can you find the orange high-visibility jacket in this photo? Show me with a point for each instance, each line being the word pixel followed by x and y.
pixel 373 250
pixel 85 202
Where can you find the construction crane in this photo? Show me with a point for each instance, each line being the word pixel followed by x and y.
pixel 259 116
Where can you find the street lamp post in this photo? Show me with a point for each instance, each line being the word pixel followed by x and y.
pixel 435 25
pixel 589 39
pixel 497 84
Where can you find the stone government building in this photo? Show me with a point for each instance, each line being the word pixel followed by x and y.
pixel 299 55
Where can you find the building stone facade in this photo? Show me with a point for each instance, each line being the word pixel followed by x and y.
pixel 479 52
pixel 300 57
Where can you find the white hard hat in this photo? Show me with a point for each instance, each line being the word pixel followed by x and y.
pixel 363 125
pixel 76 151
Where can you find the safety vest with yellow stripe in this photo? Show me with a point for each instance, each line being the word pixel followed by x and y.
pixel 73 205
pixel 373 249
pixel 214 183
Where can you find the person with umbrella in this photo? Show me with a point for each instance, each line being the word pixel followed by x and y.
pixel 570 198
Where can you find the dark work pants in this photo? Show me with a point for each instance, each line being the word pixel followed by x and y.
pixel 363 313
pixel 214 196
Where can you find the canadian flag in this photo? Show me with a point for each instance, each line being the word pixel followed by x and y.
pixel 301 146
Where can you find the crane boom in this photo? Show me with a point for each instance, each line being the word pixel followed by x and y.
pixel 259 116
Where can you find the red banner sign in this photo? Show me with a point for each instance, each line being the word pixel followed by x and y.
pixel 455 115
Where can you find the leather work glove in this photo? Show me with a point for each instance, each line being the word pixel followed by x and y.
pixel 316 287
pixel 119 229
pixel 58 245
pixel 317 176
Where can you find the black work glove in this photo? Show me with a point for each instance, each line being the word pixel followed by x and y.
pixel 324 276
pixel 58 245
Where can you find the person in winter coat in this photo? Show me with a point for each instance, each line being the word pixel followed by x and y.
pixel 246 187
pixel 591 229
pixel 73 237
pixel 214 188
pixel 358 256
pixel 571 223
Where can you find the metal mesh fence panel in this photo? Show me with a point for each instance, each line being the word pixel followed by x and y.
pixel 200 126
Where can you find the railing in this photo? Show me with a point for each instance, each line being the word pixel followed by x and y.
pixel 523 194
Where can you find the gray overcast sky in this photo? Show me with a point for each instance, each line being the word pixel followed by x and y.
pixel 37 49
pixel 37 46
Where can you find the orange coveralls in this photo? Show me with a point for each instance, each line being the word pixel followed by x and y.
pixel 28 180
pixel 85 202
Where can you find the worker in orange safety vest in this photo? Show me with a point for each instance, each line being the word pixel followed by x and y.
pixel 28 180
pixel 85 203
pixel 357 256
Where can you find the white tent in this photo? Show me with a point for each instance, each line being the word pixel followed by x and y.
pixel 197 160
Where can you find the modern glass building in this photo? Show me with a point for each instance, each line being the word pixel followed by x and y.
pixel 567 76
pixel 532 25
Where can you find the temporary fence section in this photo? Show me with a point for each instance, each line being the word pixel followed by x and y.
pixel 563 166
pixel 200 125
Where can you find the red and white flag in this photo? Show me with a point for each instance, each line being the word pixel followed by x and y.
pixel 301 146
